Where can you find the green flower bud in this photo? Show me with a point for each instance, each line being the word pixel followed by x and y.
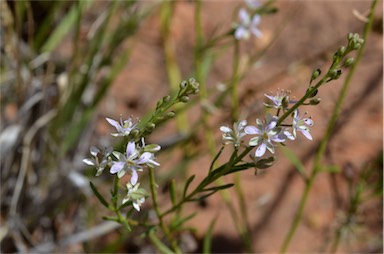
pixel 335 74
pixel 349 62
pixel 341 51
pixel 166 99
pixel 285 102
pixel 315 74
pixel 171 114
pixel 350 36
pixel 313 93
pixel 184 99
pixel 183 84
pixel 152 148
pixel 314 101
pixel 134 133
pixel 150 126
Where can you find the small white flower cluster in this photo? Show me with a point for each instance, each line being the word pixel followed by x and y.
pixel 268 132
pixel 248 24
pixel 134 160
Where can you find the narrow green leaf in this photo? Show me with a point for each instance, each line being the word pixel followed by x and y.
pixel 208 237
pixel 180 221
pixel 221 187
pixel 172 192
pixel 161 246
pixel 190 179
pixel 98 195
pixel 331 169
pixel 64 27
pixel 291 156
pixel 215 159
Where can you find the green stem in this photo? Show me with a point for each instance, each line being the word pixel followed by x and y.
pixel 163 227
pixel 324 142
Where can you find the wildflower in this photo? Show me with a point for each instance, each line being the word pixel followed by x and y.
pixel 266 134
pixel 247 25
pixel 136 194
pixel 301 124
pixel 234 136
pixel 280 100
pixel 123 128
pixel 133 160
pixel 253 4
pixel 100 159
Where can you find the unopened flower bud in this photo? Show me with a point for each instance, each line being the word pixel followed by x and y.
pixel 152 148
pixel 349 62
pixel 134 133
pixel 150 126
pixel 315 74
pixel 170 114
pixel 341 51
pixel 166 99
pixel 335 74
pixel 285 102
pixel 184 99
pixel 183 84
pixel 314 101
pixel 313 94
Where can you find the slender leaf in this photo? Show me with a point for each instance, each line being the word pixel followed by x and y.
pixel 172 192
pixel 190 179
pixel 291 156
pixel 161 246
pixel 180 221
pixel 221 187
pixel 98 195
pixel 208 237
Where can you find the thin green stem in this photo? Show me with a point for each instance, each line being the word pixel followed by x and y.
pixel 324 142
pixel 162 225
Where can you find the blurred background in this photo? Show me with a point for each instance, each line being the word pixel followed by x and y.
pixel 67 65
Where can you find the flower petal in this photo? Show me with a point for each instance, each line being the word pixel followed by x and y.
pixel 90 162
pixel 116 167
pixel 225 129
pixel 306 134
pixel 144 158
pixel 134 177
pixel 251 130
pixel 260 151
pixel 308 121
pixel 131 147
pixel 114 123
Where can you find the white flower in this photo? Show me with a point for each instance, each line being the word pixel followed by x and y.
pixel 133 160
pixel 247 26
pixel 234 136
pixel 253 4
pixel 301 125
pixel 280 100
pixel 267 133
pixel 123 128
pixel 100 158
pixel 136 194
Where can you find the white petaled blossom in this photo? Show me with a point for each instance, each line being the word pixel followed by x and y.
pixel 123 128
pixel 266 133
pixel 100 159
pixel 253 4
pixel 136 195
pixel 280 100
pixel 301 125
pixel 247 26
pixel 134 160
pixel 234 136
